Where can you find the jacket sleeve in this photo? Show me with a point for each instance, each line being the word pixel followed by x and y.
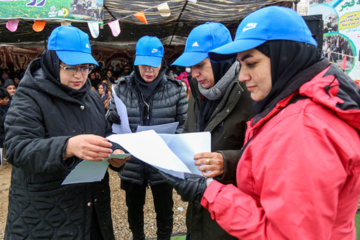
pixel 231 159
pixel 294 190
pixel 26 144
pixel 190 121
pixel 181 110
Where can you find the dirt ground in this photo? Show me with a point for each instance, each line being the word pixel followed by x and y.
pixel 119 210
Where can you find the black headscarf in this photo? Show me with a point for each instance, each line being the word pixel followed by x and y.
pixel 288 58
pixel 207 106
pixel 147 88
pixel 50 64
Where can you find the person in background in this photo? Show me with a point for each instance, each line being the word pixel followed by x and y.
pixel 103 92
pixel 94 80
pixel 4 99
pixel 298 174
pixel 48 133
pixel 218 104
pixel 171 73
pixel 10 86
pixel 184 76
pixel 109 77
pixel 5 74
pixel 126 72
pixel 98 76
pixel 106 102
pixel 110 68
pixel 118 70
pixel 150 98
pixel 16 81
pixel 186 88
pixel 103 73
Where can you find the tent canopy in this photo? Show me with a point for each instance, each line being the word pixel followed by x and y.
pixel 172 30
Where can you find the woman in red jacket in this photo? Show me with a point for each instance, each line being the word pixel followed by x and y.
pixel 298 174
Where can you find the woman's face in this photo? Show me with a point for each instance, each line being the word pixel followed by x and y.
pixel 149 73
pixel 92 76
pixel 255 71
pixel 109 74
pixel 11 90
pixel 101 89
pixel 203 73
pixel 74 79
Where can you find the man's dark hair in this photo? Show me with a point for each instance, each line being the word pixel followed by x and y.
pixel 4 93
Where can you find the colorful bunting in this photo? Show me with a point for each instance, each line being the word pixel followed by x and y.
pixel 94 29
pixel 164 9
pixel 12 24
pixel 39 25
pixel 141 16
pixel 115 28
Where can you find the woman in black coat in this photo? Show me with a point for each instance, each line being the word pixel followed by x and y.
pixel 54 122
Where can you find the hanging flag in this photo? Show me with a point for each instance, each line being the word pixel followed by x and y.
pixel 94 29
pixel 39 25
pixel 141 16
pixel 194 1
pixel 12 24
pixel 164 9
pixel 115 28
pixel 343 64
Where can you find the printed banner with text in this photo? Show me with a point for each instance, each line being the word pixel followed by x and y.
pixel 78 10
pixel 341 32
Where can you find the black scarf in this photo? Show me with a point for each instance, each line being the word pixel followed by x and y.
pixel 207 107
pixel 288 58
pixel 147 88
pixel 50 64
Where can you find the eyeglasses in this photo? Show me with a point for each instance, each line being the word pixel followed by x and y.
pixel 73 69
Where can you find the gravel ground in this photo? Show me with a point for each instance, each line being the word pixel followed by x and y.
pixel 119 209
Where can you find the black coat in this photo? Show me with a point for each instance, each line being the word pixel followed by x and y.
pixel 41 118
pixel 168 104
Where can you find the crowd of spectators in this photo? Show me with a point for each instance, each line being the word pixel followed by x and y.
pixel 336 47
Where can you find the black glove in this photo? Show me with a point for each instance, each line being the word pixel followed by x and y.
pixel 114 117
pixel 190 189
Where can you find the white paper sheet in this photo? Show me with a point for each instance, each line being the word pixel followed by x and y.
pixel 87 171
pixel 90 171
pixel 186 145
pixel 163 128
pixel 170 152
pixel 124 127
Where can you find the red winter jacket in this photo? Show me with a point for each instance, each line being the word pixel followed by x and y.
pixel 298 176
